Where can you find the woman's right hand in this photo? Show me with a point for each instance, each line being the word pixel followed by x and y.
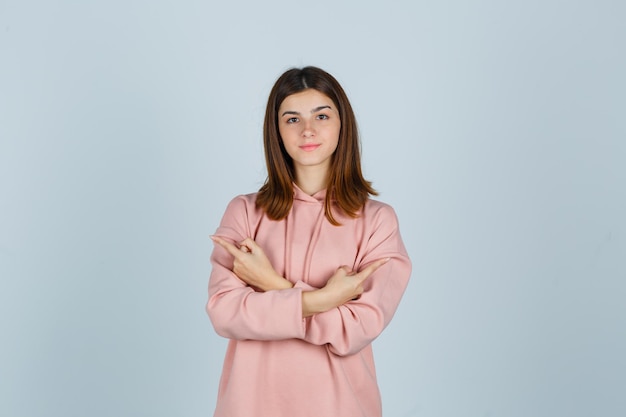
pixel 252 266
pixel 343 286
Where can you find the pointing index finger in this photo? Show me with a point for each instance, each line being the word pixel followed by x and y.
pixel 369 270
pixel 230 248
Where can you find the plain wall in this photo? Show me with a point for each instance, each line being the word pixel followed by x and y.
pixel 497 130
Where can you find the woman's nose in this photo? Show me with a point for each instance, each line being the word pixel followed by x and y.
pixel 308 130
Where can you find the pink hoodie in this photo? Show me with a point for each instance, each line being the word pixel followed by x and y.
pixel 279 364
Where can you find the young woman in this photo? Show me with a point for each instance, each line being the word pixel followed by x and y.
pixel 308 271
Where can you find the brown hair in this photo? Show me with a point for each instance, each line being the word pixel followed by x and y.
pixel 346 184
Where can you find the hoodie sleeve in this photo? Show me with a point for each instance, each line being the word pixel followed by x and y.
pixel 236 310
pixel 350 327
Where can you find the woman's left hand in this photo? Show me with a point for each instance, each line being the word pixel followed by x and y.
pixel 252 266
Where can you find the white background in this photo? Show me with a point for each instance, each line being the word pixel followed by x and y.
pixel 497 130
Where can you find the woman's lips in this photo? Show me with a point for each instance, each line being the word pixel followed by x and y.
pixel 309 147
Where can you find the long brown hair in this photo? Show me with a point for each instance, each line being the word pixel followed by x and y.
pixel 346 185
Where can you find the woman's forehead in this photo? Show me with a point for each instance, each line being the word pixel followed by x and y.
pixel 306 100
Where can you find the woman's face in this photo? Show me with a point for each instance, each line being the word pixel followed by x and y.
pixel 309 126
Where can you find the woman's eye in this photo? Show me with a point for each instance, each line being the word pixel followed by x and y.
pixel 322 117
pixel 292 120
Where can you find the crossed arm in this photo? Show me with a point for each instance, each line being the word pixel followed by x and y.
pixel 253 267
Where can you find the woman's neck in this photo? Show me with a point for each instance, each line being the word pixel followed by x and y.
pixel 311 180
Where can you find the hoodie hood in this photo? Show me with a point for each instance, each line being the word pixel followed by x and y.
pixel 300 195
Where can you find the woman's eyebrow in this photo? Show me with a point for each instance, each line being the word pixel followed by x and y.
pixel 315 110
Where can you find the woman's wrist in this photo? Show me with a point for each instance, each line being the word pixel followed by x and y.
pixel 316 301
pixel 281 283
pixel 276 282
